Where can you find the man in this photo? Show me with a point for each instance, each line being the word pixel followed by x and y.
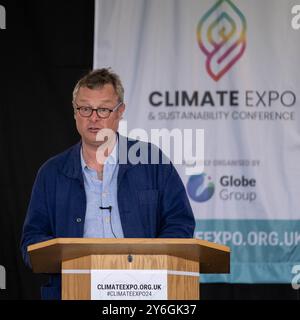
pixel 87 191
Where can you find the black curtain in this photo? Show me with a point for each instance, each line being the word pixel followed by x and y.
pixel 46 47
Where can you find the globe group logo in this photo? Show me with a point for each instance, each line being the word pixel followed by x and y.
pixel 200 188
pixel 221 35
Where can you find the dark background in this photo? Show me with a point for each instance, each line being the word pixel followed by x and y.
pixel 46 47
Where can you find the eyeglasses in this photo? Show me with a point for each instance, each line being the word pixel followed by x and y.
pixel 103 113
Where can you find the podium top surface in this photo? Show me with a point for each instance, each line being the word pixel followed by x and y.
pixel 47 256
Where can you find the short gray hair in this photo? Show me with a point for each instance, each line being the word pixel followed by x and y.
pixel 96 79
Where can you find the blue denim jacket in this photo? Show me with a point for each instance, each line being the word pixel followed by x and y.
pixel 152 203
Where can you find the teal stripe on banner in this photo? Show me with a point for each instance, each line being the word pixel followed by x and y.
pixel 262 251
pixel 255 273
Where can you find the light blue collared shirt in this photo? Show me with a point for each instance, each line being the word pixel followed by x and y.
pixel 101 223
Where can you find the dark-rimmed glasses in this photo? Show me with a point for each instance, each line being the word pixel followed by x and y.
pixel 86 111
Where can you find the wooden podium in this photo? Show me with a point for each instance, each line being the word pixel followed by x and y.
pixel 181 259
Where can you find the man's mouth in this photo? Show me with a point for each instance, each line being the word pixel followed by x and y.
pixel 93 129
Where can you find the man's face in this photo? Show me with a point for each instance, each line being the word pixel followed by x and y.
pixel 97 98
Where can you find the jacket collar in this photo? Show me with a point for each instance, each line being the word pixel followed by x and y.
pixel 72 166
pixel 124 164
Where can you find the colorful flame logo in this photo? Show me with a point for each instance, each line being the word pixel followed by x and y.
pixel 221 35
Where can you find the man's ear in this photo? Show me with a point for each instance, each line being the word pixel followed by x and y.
pixel 74 113
pixel 121 111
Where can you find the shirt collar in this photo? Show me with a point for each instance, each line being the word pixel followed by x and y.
pixel 112 158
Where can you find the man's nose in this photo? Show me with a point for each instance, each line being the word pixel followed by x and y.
pixel 94 117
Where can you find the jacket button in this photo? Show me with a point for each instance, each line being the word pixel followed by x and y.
pixel 78 220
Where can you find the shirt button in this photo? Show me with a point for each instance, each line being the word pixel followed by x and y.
pixel 78 220
pixel 107 220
